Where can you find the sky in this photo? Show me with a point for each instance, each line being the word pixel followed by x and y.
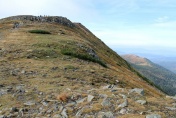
pixel 140 27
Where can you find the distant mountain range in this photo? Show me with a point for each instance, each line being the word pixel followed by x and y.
pixel 157 74
pixel 166 62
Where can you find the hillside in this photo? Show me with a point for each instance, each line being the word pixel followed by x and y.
pixel 51 67
pixel 160 76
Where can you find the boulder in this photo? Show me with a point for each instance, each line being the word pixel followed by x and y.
pixel 78 114
pixel 64 113
pixel 140 91
pixel 124 104
pixel 141 102
pixel 20 89
pixel 89 98
pixel 108 87
pixel 2 116
pixel 103 96
pixel 171 108
pixel 29 103
pixel 44 103
pixel 2 92
pixel 172 97
pixel 153 116
pixel 16 25
pixel 81 100
pixel 105 115
pixel 108 115
pixel 13 109
pixel 106 102
pixel 123 111
pixel 124 96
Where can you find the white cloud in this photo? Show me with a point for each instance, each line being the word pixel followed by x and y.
pixel 169 24
pixel 162 19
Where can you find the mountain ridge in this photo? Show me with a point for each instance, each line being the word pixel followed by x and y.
pixel 49 69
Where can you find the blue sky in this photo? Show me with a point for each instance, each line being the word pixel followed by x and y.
pixel 127 26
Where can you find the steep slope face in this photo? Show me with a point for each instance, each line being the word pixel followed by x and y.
pixel 51 67
pixel 160 76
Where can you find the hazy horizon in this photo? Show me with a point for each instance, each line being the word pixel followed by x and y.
pixel 146 51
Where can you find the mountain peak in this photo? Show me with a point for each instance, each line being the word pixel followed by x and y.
pixel 136 59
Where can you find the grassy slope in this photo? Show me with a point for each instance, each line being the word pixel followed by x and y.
pixel 38 54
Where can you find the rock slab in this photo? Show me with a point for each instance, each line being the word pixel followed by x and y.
pixel 153 116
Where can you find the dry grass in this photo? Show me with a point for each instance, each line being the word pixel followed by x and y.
pixel 8 100
pixel 132 116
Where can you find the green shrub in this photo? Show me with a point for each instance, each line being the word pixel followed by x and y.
pixel 39 32
pixel 83 57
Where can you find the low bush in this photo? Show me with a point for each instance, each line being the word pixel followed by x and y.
pixel 39 32
pixel 83 57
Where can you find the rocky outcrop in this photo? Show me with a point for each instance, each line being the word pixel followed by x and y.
pixel 42 19
pixel 88 50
